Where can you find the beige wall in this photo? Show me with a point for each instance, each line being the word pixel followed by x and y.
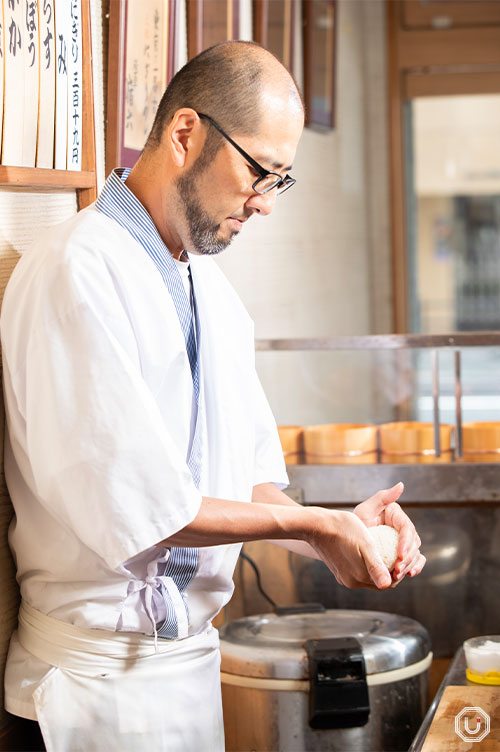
pixel 320 265
pixel 305 270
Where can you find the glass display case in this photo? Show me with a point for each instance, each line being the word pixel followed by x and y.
pixel 453 499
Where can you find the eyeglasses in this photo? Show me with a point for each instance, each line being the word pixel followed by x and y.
pixel 268 179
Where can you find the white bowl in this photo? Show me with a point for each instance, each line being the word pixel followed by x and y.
pixel 482 655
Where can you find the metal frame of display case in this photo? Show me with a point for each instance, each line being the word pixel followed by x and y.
pixel 454 482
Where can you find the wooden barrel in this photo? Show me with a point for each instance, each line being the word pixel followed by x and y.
pixel 341 444
pixel 481 441
pixel 291 438
pixel 412 442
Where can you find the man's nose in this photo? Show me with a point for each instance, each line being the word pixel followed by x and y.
pixel 262 203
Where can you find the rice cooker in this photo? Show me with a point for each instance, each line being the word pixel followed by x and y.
pixel 343 680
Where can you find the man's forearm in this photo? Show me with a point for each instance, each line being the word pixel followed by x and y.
pixel 268 493
pixel 272 516
pixel 339 538
pixel 220 521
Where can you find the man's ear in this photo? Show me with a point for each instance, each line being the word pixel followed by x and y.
pixel 184 134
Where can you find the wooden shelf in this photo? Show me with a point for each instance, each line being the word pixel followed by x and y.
pixel 37 177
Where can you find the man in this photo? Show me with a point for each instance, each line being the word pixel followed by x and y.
pixel 138 430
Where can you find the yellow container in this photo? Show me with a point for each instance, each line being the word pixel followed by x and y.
pixel 481 442
pixel 482 658
pixel 291 438
pixel 341 444
pixel 412 442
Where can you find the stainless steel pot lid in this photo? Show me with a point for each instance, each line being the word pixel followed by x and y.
pixel 273 646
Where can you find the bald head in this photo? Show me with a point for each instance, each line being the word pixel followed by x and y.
pixel 236 83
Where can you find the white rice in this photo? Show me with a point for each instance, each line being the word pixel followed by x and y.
pixel 386 540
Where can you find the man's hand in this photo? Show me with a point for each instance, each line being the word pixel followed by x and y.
pixel 342 541
pixel 383 509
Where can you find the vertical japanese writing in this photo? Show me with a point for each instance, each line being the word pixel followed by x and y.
pixel 14 30
pixel 156 85
pixel 28 18
pixel 75 85
pixel 62 57
pixel 132 82
pixel 47 12
pixel 31 29
pixel 47 109
pixel 145 68
pixel 147 65
pixel 13 83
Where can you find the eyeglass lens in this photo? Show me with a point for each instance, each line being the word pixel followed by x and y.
pixel 267 183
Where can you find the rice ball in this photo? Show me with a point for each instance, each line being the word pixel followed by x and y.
pixel 386 540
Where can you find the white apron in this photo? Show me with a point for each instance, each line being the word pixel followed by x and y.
pixel 112 691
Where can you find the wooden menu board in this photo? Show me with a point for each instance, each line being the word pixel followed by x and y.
pixel 141 61
pixel 320 21
pixel 210 23
pixel 273 22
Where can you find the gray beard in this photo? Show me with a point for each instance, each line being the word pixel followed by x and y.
pixel 202 230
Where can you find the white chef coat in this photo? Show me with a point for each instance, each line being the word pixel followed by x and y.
pixel 98 393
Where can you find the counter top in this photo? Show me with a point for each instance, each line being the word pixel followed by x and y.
pixel 455 676
pixel 454 680
pixel 436 483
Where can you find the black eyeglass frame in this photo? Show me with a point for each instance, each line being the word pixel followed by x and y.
pixel 282 183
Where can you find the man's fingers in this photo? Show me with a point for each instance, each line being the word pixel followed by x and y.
pixel 409 540
pixel 382 499
pixel 411 568
pixel 389 495
pixel 418 566
pixel 411 552
pixel 376 568
pixel 382 508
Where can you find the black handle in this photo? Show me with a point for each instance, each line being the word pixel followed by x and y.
pixel 338 696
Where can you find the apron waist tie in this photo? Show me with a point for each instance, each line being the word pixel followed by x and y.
pixel 86 651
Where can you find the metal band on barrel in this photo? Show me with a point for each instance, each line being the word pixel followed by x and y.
pixel 291 454
pixel 424 452
pixel 482 451
pixel 350 453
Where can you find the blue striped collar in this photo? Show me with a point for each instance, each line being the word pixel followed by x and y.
pixel 117 201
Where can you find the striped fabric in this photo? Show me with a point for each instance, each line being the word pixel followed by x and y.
pixel 119 203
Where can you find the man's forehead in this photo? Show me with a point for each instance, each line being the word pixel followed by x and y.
pixel 274 147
